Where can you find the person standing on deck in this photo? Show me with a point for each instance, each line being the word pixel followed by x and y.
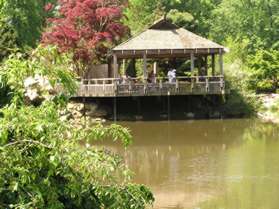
pixel 172 75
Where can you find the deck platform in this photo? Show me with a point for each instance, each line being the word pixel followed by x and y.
pixel 111 87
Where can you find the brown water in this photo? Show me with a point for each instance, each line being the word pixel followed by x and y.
pixel 222 164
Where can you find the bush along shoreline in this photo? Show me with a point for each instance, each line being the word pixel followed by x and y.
pixel 269 111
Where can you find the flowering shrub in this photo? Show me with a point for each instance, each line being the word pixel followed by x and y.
pixel 38 88
pixel 34 79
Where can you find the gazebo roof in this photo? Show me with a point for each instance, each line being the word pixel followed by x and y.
pixel 164 35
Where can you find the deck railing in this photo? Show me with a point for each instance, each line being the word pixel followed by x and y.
pixel 116 87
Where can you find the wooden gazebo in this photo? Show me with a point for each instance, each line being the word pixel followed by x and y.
pixel 160 41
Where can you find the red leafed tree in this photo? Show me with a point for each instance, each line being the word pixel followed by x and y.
pixel 87 28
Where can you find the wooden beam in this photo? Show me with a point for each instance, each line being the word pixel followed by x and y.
pixel 213 64
pixel 155 71
pixel 124 66
pixel 206 65
pixel 192 63
pixel 221 63
pixel 115 73
pixel 164 52
pixel 144 66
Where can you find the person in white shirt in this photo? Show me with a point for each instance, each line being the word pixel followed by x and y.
pixel 172 75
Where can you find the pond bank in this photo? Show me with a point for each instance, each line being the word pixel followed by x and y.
pixel 269 111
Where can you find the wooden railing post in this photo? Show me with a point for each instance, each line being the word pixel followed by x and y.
pixel 115 87
pixel 145 86
pixel 130 87
pixel 115 66
pixel 213 64
pixel 207 84
pixel 144 66
pixel 222 85
pixel 192 63
pixel 221 64
pixel 104 87
pixel 192 83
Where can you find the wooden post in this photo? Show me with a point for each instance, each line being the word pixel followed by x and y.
pixel 144 67
pixel 124 66
pixel 115 66
pixel 206 65
pixel 155 71
pixel 221 63
pixel 192 63
pixel 213 64
pixel 207 84
pixel 155 68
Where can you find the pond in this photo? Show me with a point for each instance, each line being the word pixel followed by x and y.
pixel 206 164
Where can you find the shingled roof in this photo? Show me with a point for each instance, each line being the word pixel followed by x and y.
pixel 164 35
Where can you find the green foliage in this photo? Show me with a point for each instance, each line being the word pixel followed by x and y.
pixel 44 162
pixel 25 18
pixel 44 165
pixel 149 13
pixel 8 39
pixel 238 50
pixel 264 70
pixel 239 104
pixel 182 19
pixel 191 14
pixel 241 101
pixel 255 20
pixel 44 61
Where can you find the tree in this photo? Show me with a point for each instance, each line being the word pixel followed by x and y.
pixel 256 20
pixel 150 11
pixel 194 15
pixel 26 17
pixel 8 40
pixel 86 28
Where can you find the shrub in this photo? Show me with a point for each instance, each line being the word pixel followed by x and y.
pixel 45 62
pixel 264 71
pixel 44 162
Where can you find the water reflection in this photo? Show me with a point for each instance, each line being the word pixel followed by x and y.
pixel 206 164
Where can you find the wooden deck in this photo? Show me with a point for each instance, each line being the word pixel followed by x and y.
pixel 110 87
